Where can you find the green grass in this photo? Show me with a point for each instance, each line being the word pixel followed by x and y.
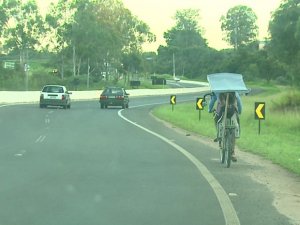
pixel 279 138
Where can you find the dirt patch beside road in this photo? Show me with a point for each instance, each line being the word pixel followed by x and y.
pixel 284 185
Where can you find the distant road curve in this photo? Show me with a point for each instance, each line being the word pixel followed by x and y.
pixel 9 97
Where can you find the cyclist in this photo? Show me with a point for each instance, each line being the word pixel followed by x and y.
pixel 234 99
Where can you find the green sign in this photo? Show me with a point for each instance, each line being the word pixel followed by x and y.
pixel 9 65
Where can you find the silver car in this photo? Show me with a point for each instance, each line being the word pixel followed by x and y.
pixel 55 95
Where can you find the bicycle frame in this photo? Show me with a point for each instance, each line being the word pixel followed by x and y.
pixel 227 135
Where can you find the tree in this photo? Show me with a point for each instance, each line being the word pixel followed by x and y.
pixel 239 26
pixel 59 23
pixel 6 8
pixel 149 62
pixel 24 29
pixel 184 41
pixel 284 28
pixel 186 32
pixel 96 33
pixel 105 29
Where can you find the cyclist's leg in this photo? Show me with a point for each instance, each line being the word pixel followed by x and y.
pixel 216 118
pixel 234 159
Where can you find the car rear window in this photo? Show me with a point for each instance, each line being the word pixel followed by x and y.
pixel 113 91
pixel 53 89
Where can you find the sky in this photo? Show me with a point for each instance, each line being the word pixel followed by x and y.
pixel 159 15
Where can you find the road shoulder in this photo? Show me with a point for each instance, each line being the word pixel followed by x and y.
pixel 284 185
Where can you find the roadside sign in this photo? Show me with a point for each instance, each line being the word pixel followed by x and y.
pixel 199 104
pixel 9 65
pixel 26 67
pixel 173 99
pixel 259 112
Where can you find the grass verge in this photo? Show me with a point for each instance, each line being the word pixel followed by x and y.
pixel 278 140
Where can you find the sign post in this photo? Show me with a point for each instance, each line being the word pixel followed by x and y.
pixel 260 112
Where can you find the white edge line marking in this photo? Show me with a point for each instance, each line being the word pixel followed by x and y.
pixel 228 210
pixel 38 139
pixel 43 138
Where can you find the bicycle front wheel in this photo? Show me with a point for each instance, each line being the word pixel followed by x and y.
pixel 222 152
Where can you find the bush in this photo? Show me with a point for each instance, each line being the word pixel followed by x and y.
pixel 290 101
pixel 12 80
pixel 38 80
pixel 281 80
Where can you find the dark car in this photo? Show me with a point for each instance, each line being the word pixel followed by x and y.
pixel 114 96
pixel 55 95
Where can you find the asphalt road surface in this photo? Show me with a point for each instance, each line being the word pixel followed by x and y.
pixel 110 166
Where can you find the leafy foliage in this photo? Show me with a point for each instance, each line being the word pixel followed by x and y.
pixel 95 34
pixel 285 31
pixel 24 27
pixel 285 38
pixel 240 27
pixel 184 43
pixel 98 39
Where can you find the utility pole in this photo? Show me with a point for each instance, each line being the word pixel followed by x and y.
pixel 236 22
pixel 74 61
pixel 235 38
pixel 88 75
pixel 174 72
pixel 26 70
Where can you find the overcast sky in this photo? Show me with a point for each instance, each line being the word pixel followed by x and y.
pixel 159 15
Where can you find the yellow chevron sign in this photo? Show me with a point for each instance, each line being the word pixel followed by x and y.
pixel 199 102
pixel 260 110
pixel 173 99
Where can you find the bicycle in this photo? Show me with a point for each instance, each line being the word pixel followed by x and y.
pixel 228 126
pixel 227 134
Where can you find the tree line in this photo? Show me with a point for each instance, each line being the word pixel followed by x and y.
pixel 274 58
pixel 102 39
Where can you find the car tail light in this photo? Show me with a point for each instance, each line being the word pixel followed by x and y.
pixel 120 97
pixel 41 96
pixel 103 97
pixel 63 97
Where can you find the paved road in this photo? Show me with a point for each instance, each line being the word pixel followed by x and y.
pixel 112 167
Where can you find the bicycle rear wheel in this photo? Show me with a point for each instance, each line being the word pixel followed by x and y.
pixel 229 142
